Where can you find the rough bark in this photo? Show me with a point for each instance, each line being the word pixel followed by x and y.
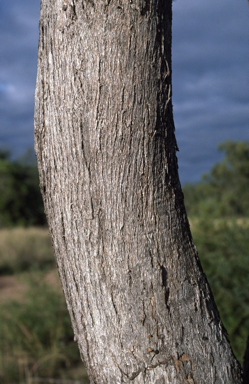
pixel 141 308
pixel 246 364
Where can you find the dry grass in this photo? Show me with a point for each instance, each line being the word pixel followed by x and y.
pixel 11 289
pixel 25 248
pixel 14 287
pixel 242 222
pixel 35 333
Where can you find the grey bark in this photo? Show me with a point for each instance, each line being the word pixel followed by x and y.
pixel 246 364
pixel 140 305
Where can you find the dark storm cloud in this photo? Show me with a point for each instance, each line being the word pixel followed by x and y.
pixel 18 53
pixel 210 77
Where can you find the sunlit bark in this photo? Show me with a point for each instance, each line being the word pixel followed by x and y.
pixel 140 305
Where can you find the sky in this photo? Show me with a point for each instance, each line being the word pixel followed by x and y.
pixel 210 69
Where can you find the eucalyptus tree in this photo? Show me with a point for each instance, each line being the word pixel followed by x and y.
pixel 141 307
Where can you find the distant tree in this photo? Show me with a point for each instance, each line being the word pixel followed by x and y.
pixel 141 308
pixel 20 198
pixel 224 190
pixel 4 154
pixel 223 247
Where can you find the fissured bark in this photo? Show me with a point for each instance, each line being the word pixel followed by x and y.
pixel 141 307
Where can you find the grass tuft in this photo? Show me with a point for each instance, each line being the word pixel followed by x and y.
pixel 25 249
pixel 37 337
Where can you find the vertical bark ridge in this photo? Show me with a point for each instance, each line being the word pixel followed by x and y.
pixel 141 308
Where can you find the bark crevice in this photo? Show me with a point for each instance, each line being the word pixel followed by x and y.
pixel 106 152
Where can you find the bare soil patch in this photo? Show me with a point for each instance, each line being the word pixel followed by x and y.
pixel 13 287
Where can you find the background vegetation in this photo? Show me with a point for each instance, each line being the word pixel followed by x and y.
pixel 218 210
pixel 223 192
pixel 36 338
pixel 20 197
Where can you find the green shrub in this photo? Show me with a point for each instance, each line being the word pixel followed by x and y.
pixel 36 336
pixel 224 190
pixel 223 247
pixel 20 197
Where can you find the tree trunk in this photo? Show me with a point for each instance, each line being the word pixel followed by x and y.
pixel 140 305
pixel 246 364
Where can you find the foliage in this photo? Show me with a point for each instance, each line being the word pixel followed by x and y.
pixel 36 336
pixel 20 197
pixel 218 208
pixel 24 249
pixel 224 190
pixel 223 247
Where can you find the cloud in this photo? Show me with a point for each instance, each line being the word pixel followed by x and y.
pixel 210 80
pixel 19 41
pixel 210 77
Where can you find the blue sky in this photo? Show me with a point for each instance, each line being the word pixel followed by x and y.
pixel 210 77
